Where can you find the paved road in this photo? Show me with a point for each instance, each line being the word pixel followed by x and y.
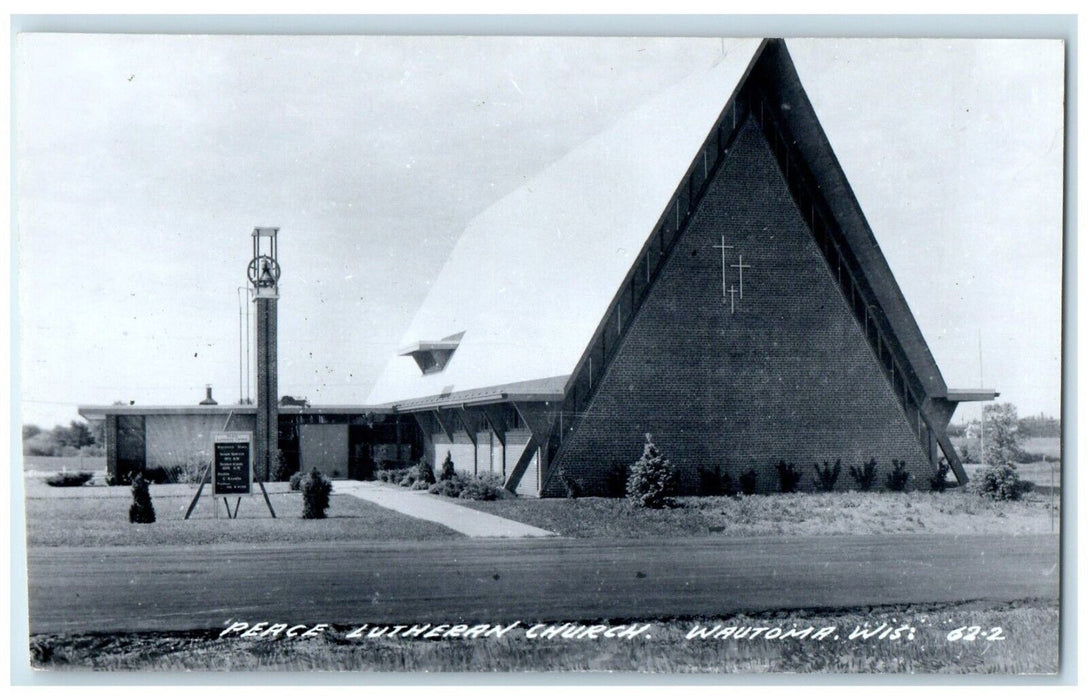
pixel 176 588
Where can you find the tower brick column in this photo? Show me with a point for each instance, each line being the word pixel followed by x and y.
pixel 267 437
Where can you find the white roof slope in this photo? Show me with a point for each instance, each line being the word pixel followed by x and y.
pixel 531 277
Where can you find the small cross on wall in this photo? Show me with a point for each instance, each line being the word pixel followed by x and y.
pixel 741 267
pixel 723 247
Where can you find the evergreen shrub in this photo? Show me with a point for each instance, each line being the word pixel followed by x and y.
pixel 316 489
pixel 713 482
pixel 939 481
pixel 448 470
pixel 827 476
pixel 653 480
pixel 141 510
pixel 899 477
pixel 788 477
pixel 865 475
pixel 748 482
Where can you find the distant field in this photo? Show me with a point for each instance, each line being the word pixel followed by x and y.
pixel 1049 446
pixel 57 464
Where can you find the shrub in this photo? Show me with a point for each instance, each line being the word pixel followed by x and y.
pixel 939 481
pixel 616 481
pixel 448 470
pixel 295 481
pixel 748 482
pixel 827 476
pixel 69 479
pixel 653 480
pixel 141 510
pixel 716 483
pixel 391 476
pixel 419 477
pixel 485 488
pixel 450 487
pixel 424 472
pixel 1001 482
pixel 315 488
pixel 281 471
pixel 788 477
pixel 899 477
pixel 572 486
pixel 865 475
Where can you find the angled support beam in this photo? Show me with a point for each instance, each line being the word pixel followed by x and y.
pixel 526 456
pixel 442 424
pixel 950 454
pixel 494 419
pixel 422 422
pixel 539 418
pixel 470 428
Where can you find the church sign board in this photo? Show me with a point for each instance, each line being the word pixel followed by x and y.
pixel 233 466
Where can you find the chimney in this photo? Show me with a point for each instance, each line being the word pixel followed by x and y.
pixel 208 400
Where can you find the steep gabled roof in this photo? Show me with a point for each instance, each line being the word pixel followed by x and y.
pixel 531 277
pixel 535 278
pixel 777 76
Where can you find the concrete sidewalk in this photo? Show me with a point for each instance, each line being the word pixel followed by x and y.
pixel 422 505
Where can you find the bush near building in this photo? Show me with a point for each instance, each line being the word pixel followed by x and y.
pixel 69 479
pixel 1001 482
pixel 827 476
pixel 788 477
pixel 749 480
pixel 316 489
pixel 865 475
pixel 653 481
pixel 939 481
pixel 899 477
pixel 448 470
pixel 141 510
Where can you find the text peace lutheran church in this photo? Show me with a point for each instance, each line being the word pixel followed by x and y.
pixel 749 317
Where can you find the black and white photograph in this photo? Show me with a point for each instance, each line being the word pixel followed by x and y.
pixel 662 355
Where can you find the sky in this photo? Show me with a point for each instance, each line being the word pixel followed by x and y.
pixel 144 162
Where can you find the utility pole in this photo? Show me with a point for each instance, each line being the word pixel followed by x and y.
pixel 981 408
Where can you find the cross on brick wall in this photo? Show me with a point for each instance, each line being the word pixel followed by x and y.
pixel 722 246
pixel 741 267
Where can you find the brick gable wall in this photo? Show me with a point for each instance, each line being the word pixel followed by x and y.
pixel 788 376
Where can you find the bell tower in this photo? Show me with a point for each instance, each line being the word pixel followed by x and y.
pixel 264 277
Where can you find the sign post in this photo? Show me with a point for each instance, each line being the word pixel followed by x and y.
pixel 232 468
pixel 232 471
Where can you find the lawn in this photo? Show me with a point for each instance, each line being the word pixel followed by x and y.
pixel 1027 643
pixel 848 513
pixel 98 515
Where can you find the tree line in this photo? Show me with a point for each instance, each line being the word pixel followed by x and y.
pixel 71 440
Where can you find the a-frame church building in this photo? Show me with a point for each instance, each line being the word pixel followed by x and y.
pixel 702 272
